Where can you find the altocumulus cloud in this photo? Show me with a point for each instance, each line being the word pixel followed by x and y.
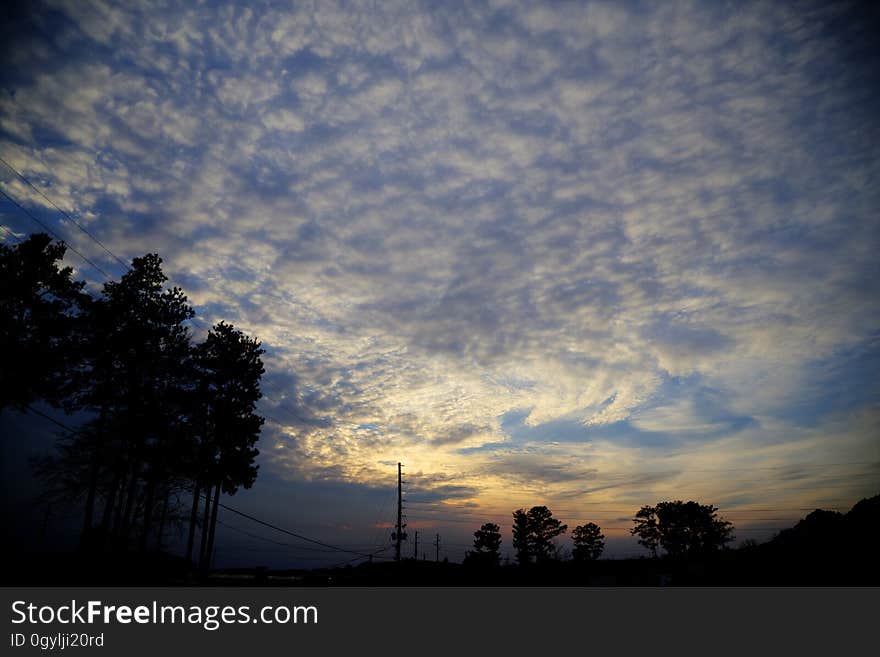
pixel 640 230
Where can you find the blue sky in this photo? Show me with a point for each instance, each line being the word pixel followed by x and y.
pixel 589 255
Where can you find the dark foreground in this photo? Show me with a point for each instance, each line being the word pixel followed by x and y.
pixel 823 549
pixel 745 567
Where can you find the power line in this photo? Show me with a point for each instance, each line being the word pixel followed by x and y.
pixel 194 320
pixel 274 545
pixel 371 557
pixel 287 410
pixel 383 504
pixel 53 233
pixel 53 420
pixel 67 215
pixel 65 242
pixel 12 235
pixel 274 542
pixel 291 533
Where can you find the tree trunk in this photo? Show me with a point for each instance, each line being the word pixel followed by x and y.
pixel 117 516
pixel 44 531
pixel 149 497
pixel 162 517
pixel 94 471
pixel 193 519
pixel 213 523
pixel 127 518
pixel 114 501
pixel 107 513
pixel 205 519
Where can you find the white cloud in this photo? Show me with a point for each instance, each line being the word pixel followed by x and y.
pixel 284 121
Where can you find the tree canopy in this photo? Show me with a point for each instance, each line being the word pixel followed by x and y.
pixel 39 305
pixel 533 534
pixel 681 529
pixel 589 542
pixel 487 546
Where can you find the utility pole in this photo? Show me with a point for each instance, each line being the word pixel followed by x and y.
pixel 437 546
pixel 398 535
pixel 416 551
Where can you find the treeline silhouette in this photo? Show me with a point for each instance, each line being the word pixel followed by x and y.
pixel 686 543
pixel 169 422
pixel 683 530
pixel 533 534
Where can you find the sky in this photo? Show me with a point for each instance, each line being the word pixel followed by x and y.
pixel 588 255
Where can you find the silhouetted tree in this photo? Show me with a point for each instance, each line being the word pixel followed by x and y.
pixel 682 529
pixel 647 529
pixel 827 547
pixel 65 471
pixel 39 305
pixel 135 374
pixel 487 546
pixel 533 534
pixel 166 418
pixel 229 369
pixel 862 530
pixel 521 536
pixel 589 542
pixel 543 529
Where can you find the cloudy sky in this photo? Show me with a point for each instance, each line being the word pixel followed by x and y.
pixel 588 255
